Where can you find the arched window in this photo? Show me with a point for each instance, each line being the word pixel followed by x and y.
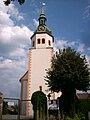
pixel 33 43
pixel 49 42
pixel 38 41
pixel 43 41
pixel 40 87
pixel 42 22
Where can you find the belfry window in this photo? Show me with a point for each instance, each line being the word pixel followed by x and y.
pixel 43 41
pixel 41 21
pixel 40 87
pixel 38 41
pixel 33 43
pixel 49 42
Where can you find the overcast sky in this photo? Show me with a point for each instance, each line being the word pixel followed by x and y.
pixel 69 21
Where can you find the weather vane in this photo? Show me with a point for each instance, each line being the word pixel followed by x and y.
pixel 43 4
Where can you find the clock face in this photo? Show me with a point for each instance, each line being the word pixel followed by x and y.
pixel 41 28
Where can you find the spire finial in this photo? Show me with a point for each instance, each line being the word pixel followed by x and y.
pixel 43 4
pixel 42 19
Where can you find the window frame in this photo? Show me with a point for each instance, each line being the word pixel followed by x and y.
pixel 33 43
pixel 49 42
pixel 43 40
pixel 38 41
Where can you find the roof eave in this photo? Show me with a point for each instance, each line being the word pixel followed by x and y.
pixel 23 76
pixel 42 33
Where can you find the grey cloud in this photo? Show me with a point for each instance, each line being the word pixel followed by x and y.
pixel 13 64
pixel 77 45
pixel 9 79
pixel 20 39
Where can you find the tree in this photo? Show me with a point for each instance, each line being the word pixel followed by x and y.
pixel 7 2
pixel 1 104
pixel 5 108
pixel 84 107
pixel 69 72
pixel 16 109
pixel 39 102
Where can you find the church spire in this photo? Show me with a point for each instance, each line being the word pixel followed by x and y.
pixel 42 10
pixel 42 27
pixel 42 19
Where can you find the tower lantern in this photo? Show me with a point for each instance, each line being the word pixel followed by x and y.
pixel 42 19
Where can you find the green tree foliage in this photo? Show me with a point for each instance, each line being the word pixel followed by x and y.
pixel 39 102
pixel 16 109
pixel 69 72
pixel 76 117
pixel 83 106
pixel 5 106
pixel 7 2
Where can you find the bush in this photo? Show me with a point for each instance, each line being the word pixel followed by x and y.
pixel 76 117
pixel 83 106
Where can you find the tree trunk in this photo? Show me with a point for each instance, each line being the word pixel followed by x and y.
pixel 68 100
pixel 37 118
pixel 43 112
pixel 40 112
pixel 62 116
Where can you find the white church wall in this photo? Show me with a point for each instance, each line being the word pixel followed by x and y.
pixel 23 97
pixel 25 90
pixel 47 38
pixel 41 36
pixel 41 60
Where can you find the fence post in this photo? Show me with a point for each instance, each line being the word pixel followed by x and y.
pixel 18 118
pixel 47 110
pixel 58 108
pixel 1 105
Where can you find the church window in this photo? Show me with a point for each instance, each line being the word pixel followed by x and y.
pixel 43 41
pixel 40 87
pixel 49 42
pixel 41 22
pixel 38 41
pixel 33 43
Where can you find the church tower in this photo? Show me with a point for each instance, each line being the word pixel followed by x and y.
pixel 40 55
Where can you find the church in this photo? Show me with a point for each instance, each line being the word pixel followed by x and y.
pixel 40 56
